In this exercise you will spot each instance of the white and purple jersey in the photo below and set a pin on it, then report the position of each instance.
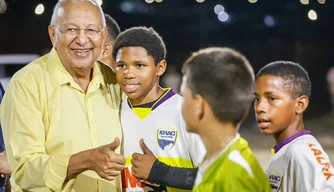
(300, 164)
(163, 129)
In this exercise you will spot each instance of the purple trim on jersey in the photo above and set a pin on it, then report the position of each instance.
(129, 103)
(288, 140)
(168, 95)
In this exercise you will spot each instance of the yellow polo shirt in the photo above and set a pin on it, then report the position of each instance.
(46, 117)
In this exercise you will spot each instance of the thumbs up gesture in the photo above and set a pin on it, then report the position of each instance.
(142, 163)
(105, 162)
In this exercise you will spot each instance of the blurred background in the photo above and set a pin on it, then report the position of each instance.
(264, 30)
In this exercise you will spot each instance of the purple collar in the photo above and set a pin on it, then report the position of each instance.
(167, 95)
(288, 140)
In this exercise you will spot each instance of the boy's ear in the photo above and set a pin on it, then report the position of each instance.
(301, 104)
(199, 107)
(161, 67)
(107, 50)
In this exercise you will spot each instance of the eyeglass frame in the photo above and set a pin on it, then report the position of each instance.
(78, 31)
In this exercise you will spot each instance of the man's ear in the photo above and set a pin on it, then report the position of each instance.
(301, 104)
(107, 50)
(161, 67)
(52, 34)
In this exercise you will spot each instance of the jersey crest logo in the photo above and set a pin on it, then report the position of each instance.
(275, 180)
(166, 137)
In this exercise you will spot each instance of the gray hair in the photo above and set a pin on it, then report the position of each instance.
(61, 3)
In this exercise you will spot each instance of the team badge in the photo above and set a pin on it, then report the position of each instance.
(275, 180)
(166, 137)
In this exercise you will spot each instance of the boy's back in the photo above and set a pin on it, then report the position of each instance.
(218, 89)
(301, 162)
(236, 169)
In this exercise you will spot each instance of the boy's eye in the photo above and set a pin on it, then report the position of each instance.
(256, 99)
(272, 98)
(120, 65)
(140, 65)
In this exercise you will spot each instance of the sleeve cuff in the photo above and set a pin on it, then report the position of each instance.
(56, 173)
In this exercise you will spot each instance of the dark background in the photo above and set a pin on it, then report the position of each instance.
(187, 26)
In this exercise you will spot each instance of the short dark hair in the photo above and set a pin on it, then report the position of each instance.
(225, 79)
(144, 37)
(113, 28)
(295, 76)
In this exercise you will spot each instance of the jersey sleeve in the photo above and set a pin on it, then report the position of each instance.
(233, 178)
(310, 169)
(176, 177)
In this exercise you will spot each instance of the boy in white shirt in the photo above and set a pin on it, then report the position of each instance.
(299, 163)
(152, 113)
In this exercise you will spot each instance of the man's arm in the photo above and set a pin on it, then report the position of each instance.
(24, 133)
(103, 160)
(147, 167)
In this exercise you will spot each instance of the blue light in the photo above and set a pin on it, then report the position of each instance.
(223, 16)
(127, 7)
(269, 21)
(219, 8)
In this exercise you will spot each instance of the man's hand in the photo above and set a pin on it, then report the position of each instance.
(142, 163)
(4, 165)
(105, 162)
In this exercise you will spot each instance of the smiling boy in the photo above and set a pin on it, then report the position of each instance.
(152, 113)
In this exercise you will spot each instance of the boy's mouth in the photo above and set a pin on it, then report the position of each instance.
(263, 123)
(130, 88)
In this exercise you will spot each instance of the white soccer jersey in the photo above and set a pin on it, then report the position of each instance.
(300, 165)
(163, 130)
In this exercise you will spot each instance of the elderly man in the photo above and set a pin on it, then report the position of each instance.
(60, 114)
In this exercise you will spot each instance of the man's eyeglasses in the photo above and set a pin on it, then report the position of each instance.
(72, 31)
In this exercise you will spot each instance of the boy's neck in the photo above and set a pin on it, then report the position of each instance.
(153, 95)
(216, 136)
(292, 129)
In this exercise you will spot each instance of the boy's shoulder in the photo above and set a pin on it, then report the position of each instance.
(240, 169)
(240, 157)
(306, 151)
(302, 145)
(303, 158)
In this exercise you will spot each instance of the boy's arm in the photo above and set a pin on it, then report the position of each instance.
(182, 178)
(147, 167)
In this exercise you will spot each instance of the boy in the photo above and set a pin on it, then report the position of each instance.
(113, 32)
(150, 112)
(299, 163)
(217, 87)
